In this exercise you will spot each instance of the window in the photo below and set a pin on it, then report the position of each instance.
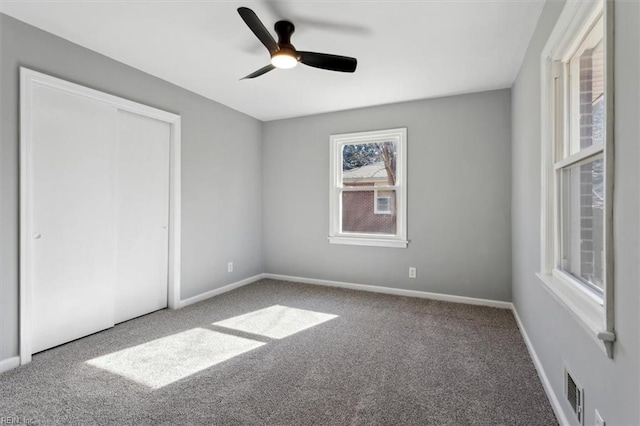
(383, 202)
(579, 161)
(368, 188)
(577, 148)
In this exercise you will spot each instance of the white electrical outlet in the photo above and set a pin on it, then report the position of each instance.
(599, 420)
(230, 267)
(412, 272)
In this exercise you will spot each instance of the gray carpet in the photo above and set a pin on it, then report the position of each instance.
(382, 360)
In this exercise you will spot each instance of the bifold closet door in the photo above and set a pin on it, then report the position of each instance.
(142, 194)
(72, 217)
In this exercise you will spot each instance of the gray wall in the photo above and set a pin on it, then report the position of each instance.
(459, 152)
(221, 165)
(611, 386)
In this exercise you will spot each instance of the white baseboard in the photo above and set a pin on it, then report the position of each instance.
(9, 363)
(217, 291)
(394, 291)
(553, 398)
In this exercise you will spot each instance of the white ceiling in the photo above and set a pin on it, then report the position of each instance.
(406, 50)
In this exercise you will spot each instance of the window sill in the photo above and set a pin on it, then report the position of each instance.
(375, 242)
(585, 308)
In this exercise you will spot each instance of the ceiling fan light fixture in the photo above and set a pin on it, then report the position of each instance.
(283, 54)
(284, 60)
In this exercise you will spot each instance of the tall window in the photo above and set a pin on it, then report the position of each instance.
(368, 188)
(577, 158)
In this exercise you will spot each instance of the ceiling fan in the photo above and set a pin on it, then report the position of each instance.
(284, 55)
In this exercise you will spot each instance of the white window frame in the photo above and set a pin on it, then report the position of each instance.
(593, 312)
(376, 210)
(336, 236)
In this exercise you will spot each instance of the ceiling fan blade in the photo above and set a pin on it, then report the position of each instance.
(253, 22)
(258, 73)
(328, 62)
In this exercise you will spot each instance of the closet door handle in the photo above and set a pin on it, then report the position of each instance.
(37, 235)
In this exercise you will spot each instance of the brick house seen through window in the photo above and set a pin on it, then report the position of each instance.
(371, 211)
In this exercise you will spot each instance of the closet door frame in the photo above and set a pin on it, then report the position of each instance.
(29, 81)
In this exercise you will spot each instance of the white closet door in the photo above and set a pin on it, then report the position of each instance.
(72, 220)
(143, 215)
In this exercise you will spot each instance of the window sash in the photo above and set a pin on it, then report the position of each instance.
(573, 80)
(584, 156)
(368, 188)
(564, 235)
(393, 210)
(580, 157)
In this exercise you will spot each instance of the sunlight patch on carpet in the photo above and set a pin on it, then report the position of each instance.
(276, 321)
(163, 361)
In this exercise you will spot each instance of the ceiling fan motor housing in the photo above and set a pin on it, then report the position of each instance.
(284, 29)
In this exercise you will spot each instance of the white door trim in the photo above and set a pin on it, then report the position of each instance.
(30, 79)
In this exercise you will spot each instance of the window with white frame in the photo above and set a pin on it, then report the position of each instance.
(368, 193)
(382, 203)
(577, 165)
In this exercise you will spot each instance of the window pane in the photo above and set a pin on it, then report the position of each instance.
(583, 222)
(359, 212)
(369, 164)
(587, 74)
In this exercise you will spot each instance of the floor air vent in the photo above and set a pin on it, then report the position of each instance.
(574, 394)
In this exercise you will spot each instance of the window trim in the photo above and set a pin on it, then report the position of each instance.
(594, 314)
(398, 240)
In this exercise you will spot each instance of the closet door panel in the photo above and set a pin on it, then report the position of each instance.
(143, 150)
(72, 219)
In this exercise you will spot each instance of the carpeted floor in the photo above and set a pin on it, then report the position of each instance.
(363, 359)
